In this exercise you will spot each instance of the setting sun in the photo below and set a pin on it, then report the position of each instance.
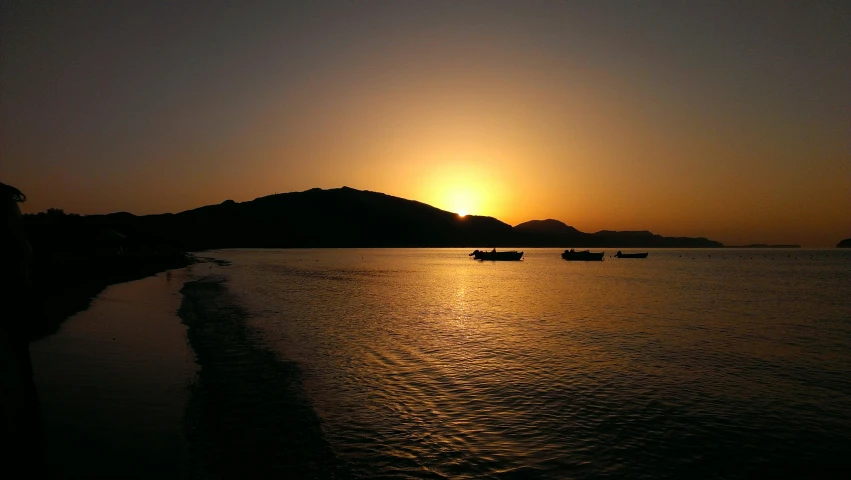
(463, 186)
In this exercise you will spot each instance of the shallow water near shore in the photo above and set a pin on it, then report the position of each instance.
(422, 363)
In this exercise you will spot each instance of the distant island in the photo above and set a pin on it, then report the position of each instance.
(844, 243)
(763, 245)
(316, 218)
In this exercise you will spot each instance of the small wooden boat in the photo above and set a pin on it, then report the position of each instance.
(494, 255)
(583, 255)
(631, 255)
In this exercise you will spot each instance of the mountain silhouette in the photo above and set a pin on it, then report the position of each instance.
(342, 217)
(764, 245)
(553, 233)
(346, 217)
(549, 232)
(643, 238)
(844, 243)
(548, 226)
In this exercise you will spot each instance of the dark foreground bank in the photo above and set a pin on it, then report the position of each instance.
(247, 415)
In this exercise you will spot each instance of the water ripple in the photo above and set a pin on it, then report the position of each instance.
(424, 364)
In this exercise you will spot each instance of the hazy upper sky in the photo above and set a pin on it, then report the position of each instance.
(730, 120)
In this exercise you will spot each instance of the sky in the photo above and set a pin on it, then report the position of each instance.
(729, 120)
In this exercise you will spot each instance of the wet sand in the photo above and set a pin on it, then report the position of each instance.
(248, 416)
(161, 378)
(113, 384)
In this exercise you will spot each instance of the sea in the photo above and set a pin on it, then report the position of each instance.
(425, 363)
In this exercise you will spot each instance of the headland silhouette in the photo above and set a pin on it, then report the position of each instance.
(341, 217)
(763, 245)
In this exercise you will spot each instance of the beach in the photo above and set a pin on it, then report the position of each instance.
(113, 384)
(161, 378)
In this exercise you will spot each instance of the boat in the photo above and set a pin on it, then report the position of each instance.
(583, 255)
(494, 255)
(631, 255)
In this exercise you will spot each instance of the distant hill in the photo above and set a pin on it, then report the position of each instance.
(342, 217)
(548, 226)
(763, 245)
(546, 233)
(844, 243)
(345, 217)
(645, 239)
(553, 233)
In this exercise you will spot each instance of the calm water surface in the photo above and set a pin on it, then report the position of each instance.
(423, 363)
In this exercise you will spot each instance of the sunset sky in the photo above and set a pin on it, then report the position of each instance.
(730, 120)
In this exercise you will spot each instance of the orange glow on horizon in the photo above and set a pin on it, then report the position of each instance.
(520, 117)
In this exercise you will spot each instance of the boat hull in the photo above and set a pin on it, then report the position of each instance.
(631, 255)
(498, 256)
(583, 256)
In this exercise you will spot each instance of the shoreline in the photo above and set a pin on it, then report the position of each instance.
(161, 378)
(58, 294)
(113, 384)
(247, 415)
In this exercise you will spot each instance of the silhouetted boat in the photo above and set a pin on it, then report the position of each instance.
(494, 255)
(631, 255)
(584, 255)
